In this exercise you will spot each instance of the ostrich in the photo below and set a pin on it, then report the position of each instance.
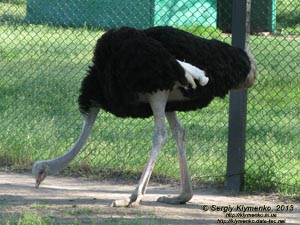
(155, 72)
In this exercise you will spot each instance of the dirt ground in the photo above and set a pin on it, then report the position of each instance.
(65, 199)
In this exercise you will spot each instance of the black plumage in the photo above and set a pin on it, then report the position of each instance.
(128, 62)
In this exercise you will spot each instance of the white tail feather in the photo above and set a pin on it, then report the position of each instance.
(192, 72)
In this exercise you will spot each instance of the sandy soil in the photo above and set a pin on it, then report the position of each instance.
(65, 199)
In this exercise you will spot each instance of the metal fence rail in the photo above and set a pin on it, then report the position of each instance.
(45, 50)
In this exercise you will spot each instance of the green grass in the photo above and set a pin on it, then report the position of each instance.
(206, 32)
(41, 70)
(80, 216)
(288, 14)
(273, 119)
(27, 218)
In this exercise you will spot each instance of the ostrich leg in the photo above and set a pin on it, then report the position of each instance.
(186, 192)
(158, 103)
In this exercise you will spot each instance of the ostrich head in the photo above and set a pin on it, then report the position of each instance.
(251, 77)
(40, 170)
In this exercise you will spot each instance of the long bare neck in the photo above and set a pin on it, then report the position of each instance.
(59, 163)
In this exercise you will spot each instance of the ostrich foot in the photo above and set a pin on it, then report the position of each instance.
(133, 201)
(120, 203)
(176, 200)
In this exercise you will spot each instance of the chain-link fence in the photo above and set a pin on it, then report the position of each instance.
(45, 50)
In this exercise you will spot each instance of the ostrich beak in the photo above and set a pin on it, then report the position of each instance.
(39, 179)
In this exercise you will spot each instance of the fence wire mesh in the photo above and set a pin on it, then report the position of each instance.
(45, 50)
